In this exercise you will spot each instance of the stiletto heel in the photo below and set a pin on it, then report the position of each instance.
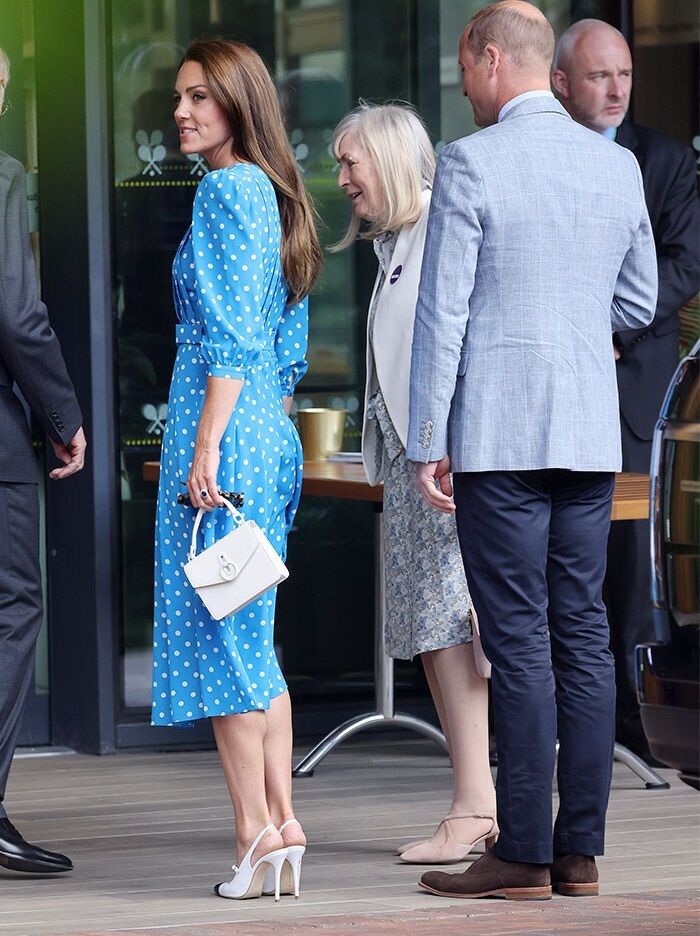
(249, 878)
(277, 860)
(291, 867)
(490, 841)
(295, 853)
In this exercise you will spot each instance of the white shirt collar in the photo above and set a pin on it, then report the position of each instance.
(521, 97)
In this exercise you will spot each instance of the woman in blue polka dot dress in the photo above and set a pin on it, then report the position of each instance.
(240, 280)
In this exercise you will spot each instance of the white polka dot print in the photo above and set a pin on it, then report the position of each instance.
(233, 322)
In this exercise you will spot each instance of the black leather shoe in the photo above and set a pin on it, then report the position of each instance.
(18, 855)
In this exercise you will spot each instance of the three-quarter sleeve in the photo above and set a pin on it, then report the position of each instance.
(290, 345)
(231, 242)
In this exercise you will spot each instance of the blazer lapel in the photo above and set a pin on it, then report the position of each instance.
(626, 135)
(393, 323)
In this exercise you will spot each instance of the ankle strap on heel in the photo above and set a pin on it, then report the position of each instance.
(471, 815)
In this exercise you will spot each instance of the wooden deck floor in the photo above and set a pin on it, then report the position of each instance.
(150, 833)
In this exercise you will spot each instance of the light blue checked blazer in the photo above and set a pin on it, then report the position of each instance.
(538, 247)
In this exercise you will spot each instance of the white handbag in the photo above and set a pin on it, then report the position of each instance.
(236, 569)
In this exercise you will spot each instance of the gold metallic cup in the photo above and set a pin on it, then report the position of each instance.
(321, 431)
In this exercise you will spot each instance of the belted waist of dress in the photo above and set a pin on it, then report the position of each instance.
(191, 333)
(188, 333)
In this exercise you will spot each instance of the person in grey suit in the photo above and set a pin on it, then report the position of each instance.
(538, 247)
(30, 357)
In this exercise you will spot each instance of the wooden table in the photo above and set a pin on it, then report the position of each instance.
(347, 481)
(341, 479)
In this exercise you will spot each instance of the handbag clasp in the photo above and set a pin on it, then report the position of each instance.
(227, 568)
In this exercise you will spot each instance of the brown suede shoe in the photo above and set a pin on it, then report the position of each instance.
(575, 876)
(488, 876)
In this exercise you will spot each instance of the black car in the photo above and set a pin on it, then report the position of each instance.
(668, 680)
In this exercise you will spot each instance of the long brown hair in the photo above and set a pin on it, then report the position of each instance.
(241, 84)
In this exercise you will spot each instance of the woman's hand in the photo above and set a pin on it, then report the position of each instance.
(219, 403)
(202, 483)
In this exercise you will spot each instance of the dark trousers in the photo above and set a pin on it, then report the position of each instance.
(628, 597)
(20, 611)
(534, 546)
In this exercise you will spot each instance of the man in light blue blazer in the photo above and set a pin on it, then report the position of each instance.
(538, 247)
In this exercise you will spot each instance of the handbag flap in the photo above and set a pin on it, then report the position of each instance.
(237, 548)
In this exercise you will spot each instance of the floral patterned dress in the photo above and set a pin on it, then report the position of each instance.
(427, 603)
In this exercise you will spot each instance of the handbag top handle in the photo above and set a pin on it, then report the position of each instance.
(238, 519)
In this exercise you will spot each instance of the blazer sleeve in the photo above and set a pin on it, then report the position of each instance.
(677, 238)
(634, 299)
(291, 343)
(28, 345)
(229, 221)
(448, 272)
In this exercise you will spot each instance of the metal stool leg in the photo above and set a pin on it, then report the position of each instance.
(306, 765)
(402, 720)
(383, 714)
(652, 780)
(352, 726)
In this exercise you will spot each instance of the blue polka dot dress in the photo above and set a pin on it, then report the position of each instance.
(233, 322)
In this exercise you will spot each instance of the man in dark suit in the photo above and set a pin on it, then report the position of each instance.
(30, 358)
(592, 74)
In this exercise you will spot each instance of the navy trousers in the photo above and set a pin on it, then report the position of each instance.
(534, 549)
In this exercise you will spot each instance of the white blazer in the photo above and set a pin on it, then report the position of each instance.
(389, 367)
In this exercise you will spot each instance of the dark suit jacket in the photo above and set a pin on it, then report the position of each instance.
(650, 355)
(30, 354)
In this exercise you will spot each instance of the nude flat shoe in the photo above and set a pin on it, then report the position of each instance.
(451, 851)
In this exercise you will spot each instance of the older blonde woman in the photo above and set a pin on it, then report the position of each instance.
(386, 169)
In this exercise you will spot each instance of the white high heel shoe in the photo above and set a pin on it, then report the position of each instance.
(248, 878)
(291, 868)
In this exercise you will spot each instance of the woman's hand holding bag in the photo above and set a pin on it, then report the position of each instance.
(237, 569)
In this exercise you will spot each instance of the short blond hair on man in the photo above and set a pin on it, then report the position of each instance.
(517, 28)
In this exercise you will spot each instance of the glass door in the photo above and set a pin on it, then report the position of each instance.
(308, 47)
